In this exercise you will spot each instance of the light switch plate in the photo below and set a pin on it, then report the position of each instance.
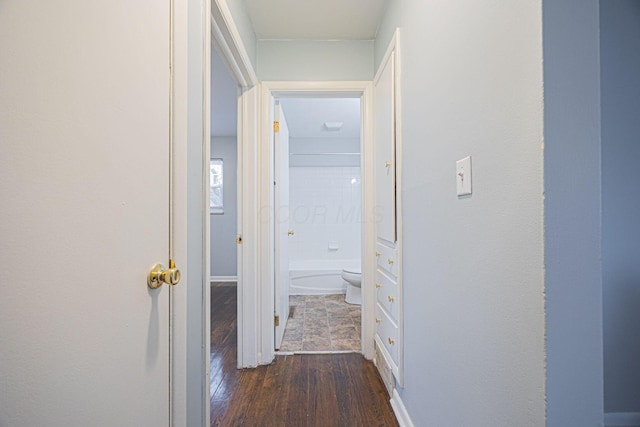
(463, 176)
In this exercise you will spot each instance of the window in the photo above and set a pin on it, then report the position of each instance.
(216, 189)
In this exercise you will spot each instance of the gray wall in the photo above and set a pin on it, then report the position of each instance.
(224, 227)
(620, 68)
(473, 267)
(245, 28)
(315, 60)
(572, 180)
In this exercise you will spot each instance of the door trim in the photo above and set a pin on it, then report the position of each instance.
(199, 26)
(227, 41)
(264, 288)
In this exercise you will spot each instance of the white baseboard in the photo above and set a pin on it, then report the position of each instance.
(622, 419)
(223, 279)
(401, 412)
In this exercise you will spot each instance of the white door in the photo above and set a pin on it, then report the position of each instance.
(282, 216)
(385, 152)
(84, 132)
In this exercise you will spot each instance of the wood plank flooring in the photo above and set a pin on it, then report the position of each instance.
(322, 390)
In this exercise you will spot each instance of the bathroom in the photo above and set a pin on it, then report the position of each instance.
(323, 217)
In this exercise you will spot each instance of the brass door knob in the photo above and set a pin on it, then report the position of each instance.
(377, 254)
(378, 320)
(159, 275)
(390, 261)
(378, 285)
(392, 341)
(387, 164)
(391, 299)
(290, 233)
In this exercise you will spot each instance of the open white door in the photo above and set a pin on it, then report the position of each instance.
(85, 136)
(282, 231)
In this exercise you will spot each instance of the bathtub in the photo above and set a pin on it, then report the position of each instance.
(319, 277)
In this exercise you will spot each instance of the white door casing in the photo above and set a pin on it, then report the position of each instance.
(84, 127)
(281, 222)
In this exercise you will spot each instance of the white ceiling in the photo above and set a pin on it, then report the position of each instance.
(224, 112)
(316, 19)
(306, 116)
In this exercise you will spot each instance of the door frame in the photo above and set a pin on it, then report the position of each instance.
(226, 38)
(264, 288)
(208, 25)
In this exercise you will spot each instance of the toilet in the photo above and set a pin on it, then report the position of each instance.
(353, 276)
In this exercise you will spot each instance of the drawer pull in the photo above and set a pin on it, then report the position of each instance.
(392, 341)
(391, 298)
(390, 261)
(378, 285)
(378, 320)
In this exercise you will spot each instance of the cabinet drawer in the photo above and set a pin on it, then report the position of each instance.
(387, 295)
(387, 333)
(387, 260)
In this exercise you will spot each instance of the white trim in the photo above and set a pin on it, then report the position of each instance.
(626, 419)
(368, 249)
(228, 42)
(248, 260)
(223, 279)
(265, 326)
(264, 288)
(404, 420)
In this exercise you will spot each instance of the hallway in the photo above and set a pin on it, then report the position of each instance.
(300, 390)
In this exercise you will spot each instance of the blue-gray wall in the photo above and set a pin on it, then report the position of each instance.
(473, 267)
(224, 227)
(572, 209)
(245, 28)
(620, 68)
(315, 60)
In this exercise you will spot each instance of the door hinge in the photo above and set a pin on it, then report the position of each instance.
(276, 320)
(276, 126)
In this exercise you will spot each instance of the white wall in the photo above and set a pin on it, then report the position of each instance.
(324, 152)
(573, 274)
(324, 207)
(224, 227)
(620, 68)
(473, 267)
(315, 60)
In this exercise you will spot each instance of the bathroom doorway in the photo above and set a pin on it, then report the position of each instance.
(317, 224)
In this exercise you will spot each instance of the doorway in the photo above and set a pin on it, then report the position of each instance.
(224, 254)
(318, 224)
(312, 218)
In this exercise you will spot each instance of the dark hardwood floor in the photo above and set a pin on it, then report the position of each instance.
(323, 390)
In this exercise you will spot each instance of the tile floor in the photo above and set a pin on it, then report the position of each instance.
(322, 323)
